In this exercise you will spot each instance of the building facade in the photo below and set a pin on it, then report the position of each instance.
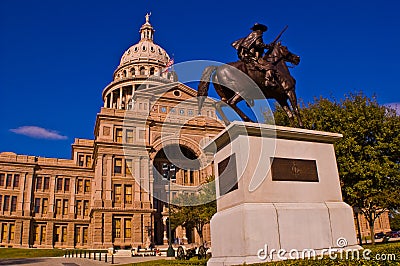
(111, 193)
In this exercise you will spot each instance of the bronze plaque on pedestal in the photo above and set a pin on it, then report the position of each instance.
(227, 175)
(286, 169)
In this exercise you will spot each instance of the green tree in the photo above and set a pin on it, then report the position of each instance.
(195, 210)
(395, 220)
(368, 155)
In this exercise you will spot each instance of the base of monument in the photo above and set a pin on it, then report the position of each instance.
(293, 227)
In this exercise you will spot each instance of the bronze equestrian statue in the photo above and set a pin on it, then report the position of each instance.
(269, 76)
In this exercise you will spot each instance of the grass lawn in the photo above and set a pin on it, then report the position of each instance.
(17, 253)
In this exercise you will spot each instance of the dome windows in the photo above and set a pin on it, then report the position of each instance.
(144, 48)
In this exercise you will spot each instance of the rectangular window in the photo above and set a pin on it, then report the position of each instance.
(128, 194)
(46, 183)
(117, 228)
(38, 183)
(117, 193)
(129, 136)
(64, 234)
(2, 177)
(45, 206)
(191, 177)
(4, 232)
(79, 188)
(8, 180)
(87, 186)
(12, 231)
(16, 181)
(78, 207)
(58, 206)
(81, 159)
(57, 234)
(6, 203)
(117, 165)
(127, 227)
(85, 235)
(77, 234)
(43, 234)
(128, 167)
(37, 205)
(59, 184)
(88, 161)
(1, 202)
(65, 207)
(14, 203)
(118, 135)
(66, 184)
(36, 230)
(85, 208)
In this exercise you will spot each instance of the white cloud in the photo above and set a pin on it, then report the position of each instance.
(38, 132)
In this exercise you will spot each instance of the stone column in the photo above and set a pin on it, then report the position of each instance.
(112, 99)
(72, 187)
(29, 177)
(18, 240)
(108, 230)
(97, 230)
(184, 237)
(97, 188)
(52, 196)
(71, 235)
(26, 233)
(50, 234)
(108, 189)
(120, 98)
(137, 229)
(165, 238)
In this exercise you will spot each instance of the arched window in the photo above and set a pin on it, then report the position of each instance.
(142, 71)
(152, 71)
(125, 73)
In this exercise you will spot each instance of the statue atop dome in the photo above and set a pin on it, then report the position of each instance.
(148, 17)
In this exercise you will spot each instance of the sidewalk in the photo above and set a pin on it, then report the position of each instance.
(60, 261)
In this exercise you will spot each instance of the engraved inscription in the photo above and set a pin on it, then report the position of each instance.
(227, 175)
(286, 169)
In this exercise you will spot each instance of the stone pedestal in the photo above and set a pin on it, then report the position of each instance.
(277, 188)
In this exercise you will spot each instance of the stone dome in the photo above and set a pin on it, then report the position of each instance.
(146, 49)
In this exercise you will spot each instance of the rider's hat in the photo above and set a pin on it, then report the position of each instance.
(260, 27)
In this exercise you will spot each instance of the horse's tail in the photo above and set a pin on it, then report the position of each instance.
(202, 88)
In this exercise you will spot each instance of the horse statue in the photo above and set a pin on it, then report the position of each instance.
(237, 81)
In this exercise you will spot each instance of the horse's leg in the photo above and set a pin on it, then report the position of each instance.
(293, 101)
(218, 107)
(284, 104)
(240, 113)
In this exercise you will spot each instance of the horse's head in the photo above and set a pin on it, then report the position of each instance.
(281, 51)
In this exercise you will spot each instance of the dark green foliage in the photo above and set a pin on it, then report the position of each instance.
(395, 221)
(195, 211)
(368, 156)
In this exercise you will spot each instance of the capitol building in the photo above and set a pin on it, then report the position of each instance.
(111, 193)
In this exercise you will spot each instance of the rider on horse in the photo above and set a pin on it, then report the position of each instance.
(251, 50)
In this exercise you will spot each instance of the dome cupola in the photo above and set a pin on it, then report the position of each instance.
(143, 65)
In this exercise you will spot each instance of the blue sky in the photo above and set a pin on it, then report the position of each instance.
(57, 56)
